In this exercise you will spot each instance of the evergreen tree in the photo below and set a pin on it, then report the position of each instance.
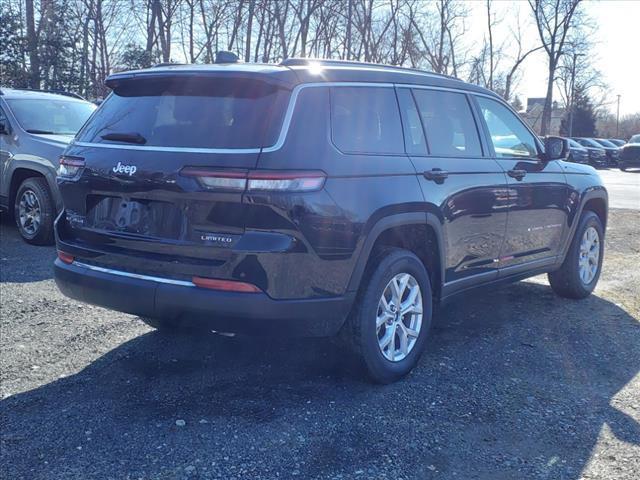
(516, 103)
(584, 116)
(12, 68)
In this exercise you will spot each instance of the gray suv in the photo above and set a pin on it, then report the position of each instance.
(35, 127)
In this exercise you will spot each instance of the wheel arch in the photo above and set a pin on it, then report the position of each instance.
(418, 232)
(595, 200)
(21, 171)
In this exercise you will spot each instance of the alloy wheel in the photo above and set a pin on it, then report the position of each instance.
(29, 213)
(589, 256)
(399, 317)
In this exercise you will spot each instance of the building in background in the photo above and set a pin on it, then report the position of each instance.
(533, 115)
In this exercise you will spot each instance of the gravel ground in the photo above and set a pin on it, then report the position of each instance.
(516, 384)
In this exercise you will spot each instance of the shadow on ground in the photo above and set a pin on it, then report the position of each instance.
(20, 262)
(516, 384)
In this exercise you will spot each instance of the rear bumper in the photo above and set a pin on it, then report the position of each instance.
(630, 162)
(186, 305)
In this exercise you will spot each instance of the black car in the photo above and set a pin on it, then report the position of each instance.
(35, 128)
(577, 153)
(316, 198)
(597, 153)
(630, 154)
(611, 149)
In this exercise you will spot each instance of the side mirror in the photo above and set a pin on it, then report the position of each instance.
(4, 129)
(555, 148)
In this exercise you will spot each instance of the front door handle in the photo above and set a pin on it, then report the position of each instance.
(517, 174)
(436, 174)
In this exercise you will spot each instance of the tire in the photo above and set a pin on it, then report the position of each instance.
(361, 330)
(567, 281)
(34, 211)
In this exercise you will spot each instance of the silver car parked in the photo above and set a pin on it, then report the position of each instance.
(35, 128)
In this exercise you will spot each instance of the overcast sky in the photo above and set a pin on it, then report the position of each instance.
(616, 51)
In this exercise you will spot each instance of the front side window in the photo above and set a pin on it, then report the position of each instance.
(366, 120)
(448, 123)
(510, 137)
(53, 117)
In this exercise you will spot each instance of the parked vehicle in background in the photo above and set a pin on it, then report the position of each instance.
(35, 128)
(611, 149)
(630, 154)
(316, 198)
(617, 142)
(577, 153)
(597, 155)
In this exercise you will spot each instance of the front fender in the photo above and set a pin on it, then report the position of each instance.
(37, 165)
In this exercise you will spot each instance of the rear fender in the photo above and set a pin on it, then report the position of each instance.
(393, 221)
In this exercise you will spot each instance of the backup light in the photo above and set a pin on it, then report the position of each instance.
(218, 179)
(286, 181)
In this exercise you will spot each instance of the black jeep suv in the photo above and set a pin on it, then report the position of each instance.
(316, 198)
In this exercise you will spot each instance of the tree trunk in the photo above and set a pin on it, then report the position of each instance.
(32, 46)
(247, 48)
(545, 125)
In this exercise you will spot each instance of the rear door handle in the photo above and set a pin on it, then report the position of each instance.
(517, 174)
(436, 174)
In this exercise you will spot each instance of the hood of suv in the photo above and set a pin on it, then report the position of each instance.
(54, 140)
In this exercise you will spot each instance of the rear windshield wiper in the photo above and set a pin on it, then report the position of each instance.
(41, 132)
(125, 137)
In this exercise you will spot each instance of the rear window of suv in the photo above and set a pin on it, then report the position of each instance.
(190, 112)
(366, 120)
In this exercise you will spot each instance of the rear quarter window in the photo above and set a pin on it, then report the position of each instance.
(366, 120)
(217, 113)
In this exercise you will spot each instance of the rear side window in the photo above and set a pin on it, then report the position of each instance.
(366, 120)
(190, 112)
(510, 137)
(448, 123)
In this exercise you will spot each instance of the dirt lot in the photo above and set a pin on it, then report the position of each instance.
(516, 384)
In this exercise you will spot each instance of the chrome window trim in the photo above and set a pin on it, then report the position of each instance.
(166, 149)
(138, 276)
(294, 99)
(286, 122)
(276, 146)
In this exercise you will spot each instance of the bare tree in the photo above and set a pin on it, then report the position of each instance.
(554, 20)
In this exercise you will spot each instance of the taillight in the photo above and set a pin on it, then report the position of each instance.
(257, 180)
(218, 179)
(284, 181)
(70, 166)
(65, 257)
(225, 285)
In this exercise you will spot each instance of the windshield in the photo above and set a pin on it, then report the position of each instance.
(605, 143)
(227, 113)
(54, 117)
(574, 144)
(635, 139)
(587, 142)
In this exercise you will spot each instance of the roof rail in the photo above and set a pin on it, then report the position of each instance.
(57, 92)
(300, 62)
(166, 64)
